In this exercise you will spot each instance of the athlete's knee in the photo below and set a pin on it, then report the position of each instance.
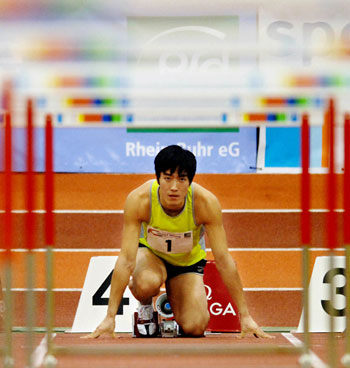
(145, 284)
(194, 324)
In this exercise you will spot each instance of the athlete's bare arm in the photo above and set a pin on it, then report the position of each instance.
(136, 210)
(208, 212)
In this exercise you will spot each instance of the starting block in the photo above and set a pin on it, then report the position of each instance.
(167, 324)
(169, 328)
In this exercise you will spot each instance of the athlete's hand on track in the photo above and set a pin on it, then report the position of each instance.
(106, 327)
(249, 326)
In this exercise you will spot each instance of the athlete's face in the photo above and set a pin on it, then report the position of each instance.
(173, 190)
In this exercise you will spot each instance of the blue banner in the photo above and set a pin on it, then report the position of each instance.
(118, 150)
(283, 147)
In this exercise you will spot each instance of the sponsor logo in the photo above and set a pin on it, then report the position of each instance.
(217, 308)
(163, 234)
(208, 291)
(187, 44)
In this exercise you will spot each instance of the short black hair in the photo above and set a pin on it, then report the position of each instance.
(175, 157)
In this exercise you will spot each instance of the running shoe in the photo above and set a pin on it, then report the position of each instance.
(146, 323)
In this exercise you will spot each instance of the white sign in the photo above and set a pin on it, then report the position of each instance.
(94, 298)
(326, 296)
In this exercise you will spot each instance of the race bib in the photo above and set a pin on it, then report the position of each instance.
(166, 242)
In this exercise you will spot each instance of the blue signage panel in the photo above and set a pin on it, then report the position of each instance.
(118, 150)
(283, 147)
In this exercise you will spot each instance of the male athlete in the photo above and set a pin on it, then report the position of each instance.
(172, 213)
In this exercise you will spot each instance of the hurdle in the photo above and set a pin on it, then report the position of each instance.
(346, 231)
(305, 232)
(331, 222)
(50, 360)
(30, 231)
(183, 349)
(7, 237)
(146, 349)
(8, 351)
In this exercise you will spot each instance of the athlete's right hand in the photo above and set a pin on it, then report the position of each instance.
(106, 327)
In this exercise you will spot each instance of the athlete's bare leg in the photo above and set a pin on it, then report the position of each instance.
(188, 300)
(148, 277)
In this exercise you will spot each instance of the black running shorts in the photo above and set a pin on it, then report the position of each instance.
(173, 271)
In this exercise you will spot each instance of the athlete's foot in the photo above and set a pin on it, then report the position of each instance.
(146, 325)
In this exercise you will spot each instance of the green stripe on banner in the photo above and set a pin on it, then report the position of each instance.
(182, 130)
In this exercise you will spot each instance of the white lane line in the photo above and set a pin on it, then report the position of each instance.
(39, 353)
(225, 210)
(102, 212)
(316, 362)
(45, 289)
(274, 289)
(67, 250)
(117, 250)
(81, 289)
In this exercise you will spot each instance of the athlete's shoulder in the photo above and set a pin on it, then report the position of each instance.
(202, 194)
(206, 204)
(138, 201)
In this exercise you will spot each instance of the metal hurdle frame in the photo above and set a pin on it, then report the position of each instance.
(30, 231)
(331, 223)
(147, 349)
(54, 350)
(7, 350)
(50, 360)
(305, 233)
(346, 227)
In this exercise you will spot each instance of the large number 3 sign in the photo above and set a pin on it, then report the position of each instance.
(332, 278)
(327, 295)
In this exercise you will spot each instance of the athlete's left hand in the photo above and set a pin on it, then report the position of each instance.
(249, 326)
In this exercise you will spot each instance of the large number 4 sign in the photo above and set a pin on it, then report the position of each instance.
(99, 299)
(93, 302)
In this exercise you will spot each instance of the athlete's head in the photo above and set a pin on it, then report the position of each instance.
(175, 157)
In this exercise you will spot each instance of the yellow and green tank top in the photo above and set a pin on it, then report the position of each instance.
(176, 239)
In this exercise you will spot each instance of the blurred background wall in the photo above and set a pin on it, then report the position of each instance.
(228, 80)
